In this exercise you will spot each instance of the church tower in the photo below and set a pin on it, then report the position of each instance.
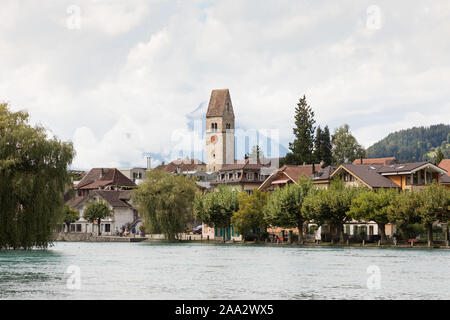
(219, 131)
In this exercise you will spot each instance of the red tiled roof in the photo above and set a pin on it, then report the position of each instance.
(101, 177)
(181, 164)
(295, 172)
(383, 161)
(241, 166)
(445, 164)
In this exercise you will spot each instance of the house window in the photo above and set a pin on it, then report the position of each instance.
(78, 227)
(107, 227)
(415, 178)
(429, 177)
(408, 180)
(228, 126)
(72, 228)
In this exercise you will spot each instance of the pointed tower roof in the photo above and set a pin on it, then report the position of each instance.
(217, 103)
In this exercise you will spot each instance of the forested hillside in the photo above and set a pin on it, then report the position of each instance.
(415, 144)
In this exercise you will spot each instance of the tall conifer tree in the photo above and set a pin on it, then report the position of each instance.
(303, 145)
(326, 152)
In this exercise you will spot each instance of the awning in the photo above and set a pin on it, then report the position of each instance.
(280, 181)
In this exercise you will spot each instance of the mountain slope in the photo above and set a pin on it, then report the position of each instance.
(415, 144)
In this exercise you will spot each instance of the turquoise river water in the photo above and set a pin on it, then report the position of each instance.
(81, 270)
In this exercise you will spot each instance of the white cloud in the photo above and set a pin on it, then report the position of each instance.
(121, 85)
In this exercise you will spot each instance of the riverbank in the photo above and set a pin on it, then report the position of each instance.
(312, 245)
(87, 237)
(84, 237)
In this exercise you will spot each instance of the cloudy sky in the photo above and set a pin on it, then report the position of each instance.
(122, 78)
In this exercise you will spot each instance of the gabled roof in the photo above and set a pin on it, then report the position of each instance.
(445, 164)
(76, 202)
(102, 177)
(406, 168)
(247, 165)
(324, 174)
(184, 165)
(367, 174)
(289, 173)
(445, 179)
(116, 199)
(383, 161)
(218, 102)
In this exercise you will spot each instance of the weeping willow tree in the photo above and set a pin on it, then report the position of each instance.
(165, 202)
(33, 178)
(216, 208)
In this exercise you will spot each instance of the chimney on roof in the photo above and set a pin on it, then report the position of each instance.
(361, 160)
(313, 169)
(304, 163)
(101, 173)
(149, 162)
(322, 163)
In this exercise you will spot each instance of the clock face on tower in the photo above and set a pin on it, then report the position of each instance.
(213, 139)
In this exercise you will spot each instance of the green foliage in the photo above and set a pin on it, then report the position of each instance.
(439, 156)
(165, 202)
(70, 215)
(216, 208)
(303, 145)
(434, 204)
(330, 206)
(425, 206)
(345, 146)
(373, 206)
(415, 144)
(96, 211)
(326, 152)
(33, 178)
(284, 208)
(250, 215)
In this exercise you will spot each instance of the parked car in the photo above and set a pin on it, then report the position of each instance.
(197, 230)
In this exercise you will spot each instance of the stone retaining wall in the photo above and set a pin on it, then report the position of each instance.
(87, 237)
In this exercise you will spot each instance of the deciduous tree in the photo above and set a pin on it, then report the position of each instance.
(33, 178)
(373, 206)
(165, 202)
(284, 207)
(96, 211)
(70, 216)
(250, 215)
(345, 146)
(216, 208)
